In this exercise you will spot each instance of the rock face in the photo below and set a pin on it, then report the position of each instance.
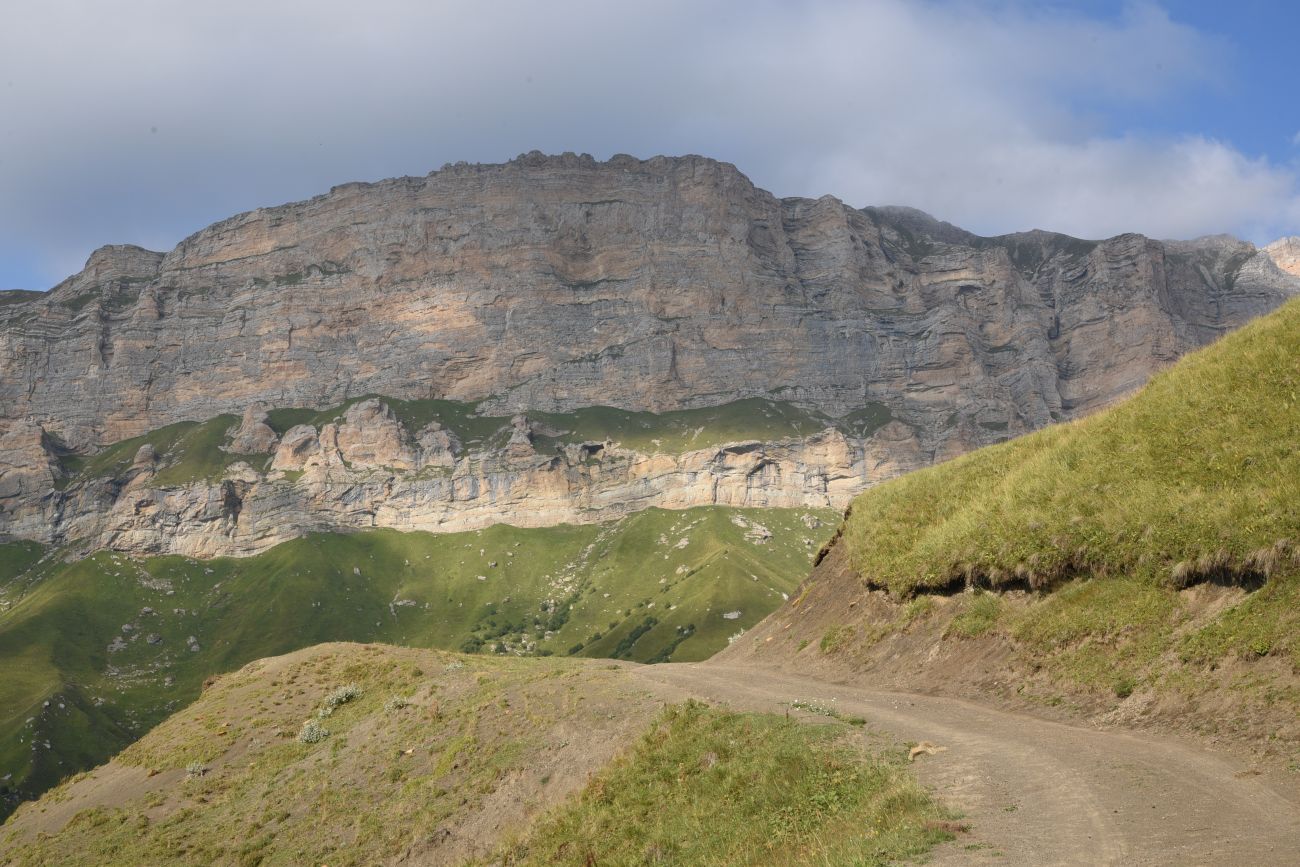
(254, 436)
(368, 472)
(556, 283)
(1285, 252)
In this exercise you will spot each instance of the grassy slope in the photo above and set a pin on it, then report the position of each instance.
(481, 744)
(713, 787)
(551, 590)
(1201, 468)
(191, 451)
(1193, 482)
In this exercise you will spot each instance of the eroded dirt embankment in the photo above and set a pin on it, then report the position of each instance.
(987, 647)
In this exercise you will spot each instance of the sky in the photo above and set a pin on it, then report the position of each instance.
(142, 121)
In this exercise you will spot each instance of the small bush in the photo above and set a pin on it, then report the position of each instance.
(312, 732)
(342, 695)
(918, 607)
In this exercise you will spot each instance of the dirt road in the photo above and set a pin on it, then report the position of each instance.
(1042, 793)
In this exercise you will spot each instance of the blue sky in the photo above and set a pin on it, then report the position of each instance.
(142, 121)
(1253, 103)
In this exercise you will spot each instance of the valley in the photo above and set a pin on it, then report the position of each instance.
(110, 645)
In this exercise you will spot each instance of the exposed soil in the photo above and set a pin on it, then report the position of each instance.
(1242, 706)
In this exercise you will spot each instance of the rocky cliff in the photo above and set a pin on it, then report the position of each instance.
(1285, 252)
(551, 284)
(365, 468)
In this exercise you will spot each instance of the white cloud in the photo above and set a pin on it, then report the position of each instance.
(995, 115)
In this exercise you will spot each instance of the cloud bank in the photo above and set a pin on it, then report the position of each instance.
(140, 122)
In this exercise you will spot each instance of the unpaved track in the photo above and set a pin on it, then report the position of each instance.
(1037, 792)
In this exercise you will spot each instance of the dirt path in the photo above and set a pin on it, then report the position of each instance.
(1044, 793)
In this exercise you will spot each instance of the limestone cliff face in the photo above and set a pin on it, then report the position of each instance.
(366, 471)
(555, 283)
(1285, 252)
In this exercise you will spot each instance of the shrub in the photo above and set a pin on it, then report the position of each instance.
(312, 732)
(342, 695)
(918, 607)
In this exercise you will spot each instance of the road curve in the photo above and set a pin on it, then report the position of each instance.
(1038, 792)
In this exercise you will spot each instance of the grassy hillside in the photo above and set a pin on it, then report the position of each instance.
(351, 755)
(705, 786)
(1148, 558)
(1195, 478)
(96, 651)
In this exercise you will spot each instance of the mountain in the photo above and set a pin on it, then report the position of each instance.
(590, 374)
(1141, 565)
(457, 350)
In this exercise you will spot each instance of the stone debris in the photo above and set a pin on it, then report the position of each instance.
(924, 748)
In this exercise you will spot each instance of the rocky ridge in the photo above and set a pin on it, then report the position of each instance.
(366, 470)
(550, 284)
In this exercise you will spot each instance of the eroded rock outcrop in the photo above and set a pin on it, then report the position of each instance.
(366, 472)
(254, 435)
(553, 283)
(1285, 253)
